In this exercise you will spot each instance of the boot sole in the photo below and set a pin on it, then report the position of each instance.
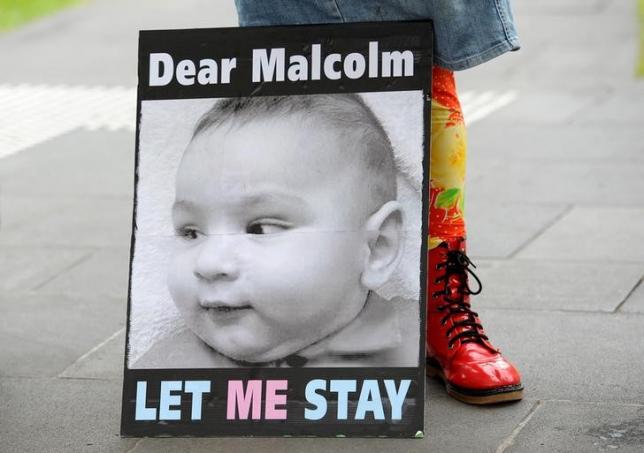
(478, 397)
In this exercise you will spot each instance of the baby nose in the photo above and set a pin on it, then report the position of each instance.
(217, 259)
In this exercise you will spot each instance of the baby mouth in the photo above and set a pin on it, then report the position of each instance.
(226, 309)
(226, 313)
(221, 307)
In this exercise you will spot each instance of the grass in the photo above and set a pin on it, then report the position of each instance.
(16, 12)
(639, 70)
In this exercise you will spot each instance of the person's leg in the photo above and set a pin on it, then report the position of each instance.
(447, 160)
(458, 350)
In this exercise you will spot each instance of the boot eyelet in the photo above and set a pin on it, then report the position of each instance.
(443, 322)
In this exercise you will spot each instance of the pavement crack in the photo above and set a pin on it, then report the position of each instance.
(558, 310)
(74, 378)
(508, 441)
(72, 265)
(541, 231)
(633, 289)
(64, 374)
(135, 445)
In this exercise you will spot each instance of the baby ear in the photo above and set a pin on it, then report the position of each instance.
(385, 243)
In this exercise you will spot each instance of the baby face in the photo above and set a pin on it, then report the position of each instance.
(269, 246)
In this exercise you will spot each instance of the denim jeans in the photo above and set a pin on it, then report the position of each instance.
(467, 32)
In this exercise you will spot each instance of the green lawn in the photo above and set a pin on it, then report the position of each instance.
(639, 71)
(17, 12)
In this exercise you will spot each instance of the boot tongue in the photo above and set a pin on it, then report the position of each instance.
(475, 345)
(457, 290)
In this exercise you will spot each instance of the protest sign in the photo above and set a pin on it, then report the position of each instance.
(279, 235)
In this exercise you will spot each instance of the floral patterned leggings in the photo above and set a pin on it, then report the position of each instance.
(447, 163)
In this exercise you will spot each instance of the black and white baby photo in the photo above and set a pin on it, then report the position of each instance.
(278, 231)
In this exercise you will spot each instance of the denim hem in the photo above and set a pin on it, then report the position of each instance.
(468, 62)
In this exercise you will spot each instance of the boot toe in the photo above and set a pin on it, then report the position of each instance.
(495, 372)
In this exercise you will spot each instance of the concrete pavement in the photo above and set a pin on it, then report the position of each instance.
(556, 226)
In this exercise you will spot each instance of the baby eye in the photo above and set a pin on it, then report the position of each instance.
(188, 233)
(266, 227)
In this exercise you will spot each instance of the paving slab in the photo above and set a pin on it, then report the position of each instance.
(551, 285)
(635, 301)
(72, 43)
(592, 183)
(572, 356)
(478, 429)
(105, 361)
(606, 30)
(537, 108)
(586, 72)
(27, 268)
(86, 163)
(61, 415)
(80, 222)
(41, 335)
(615, 108)
(109, 266)
(16, 210)
(500, 229)
(602, 22)
(592, 233)
(574, 143)
(569, 426)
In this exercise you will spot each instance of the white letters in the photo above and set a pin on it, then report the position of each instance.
(274, 65)
(186, 72)
(298, 69)
(354, 65)
(158, 79)
(162, 70)
(373, 59)
(316, 51)
(329, 66)
(207, 72)
(268, 69)
(397, 62)
(227, 65)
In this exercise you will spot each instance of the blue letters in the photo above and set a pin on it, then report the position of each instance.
(142, 412)
(315, 398)
(369, 400)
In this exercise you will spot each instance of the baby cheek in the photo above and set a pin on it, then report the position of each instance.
(337, 252)
(309, 273)
(307, 253)
(181, 280)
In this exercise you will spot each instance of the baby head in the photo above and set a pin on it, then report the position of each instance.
(285, 217)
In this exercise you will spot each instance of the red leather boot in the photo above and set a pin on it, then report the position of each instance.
(458, 351)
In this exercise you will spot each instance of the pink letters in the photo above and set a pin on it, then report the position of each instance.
(247, 403)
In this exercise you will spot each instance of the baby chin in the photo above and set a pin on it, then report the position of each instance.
(241, 336)
(232, 332)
